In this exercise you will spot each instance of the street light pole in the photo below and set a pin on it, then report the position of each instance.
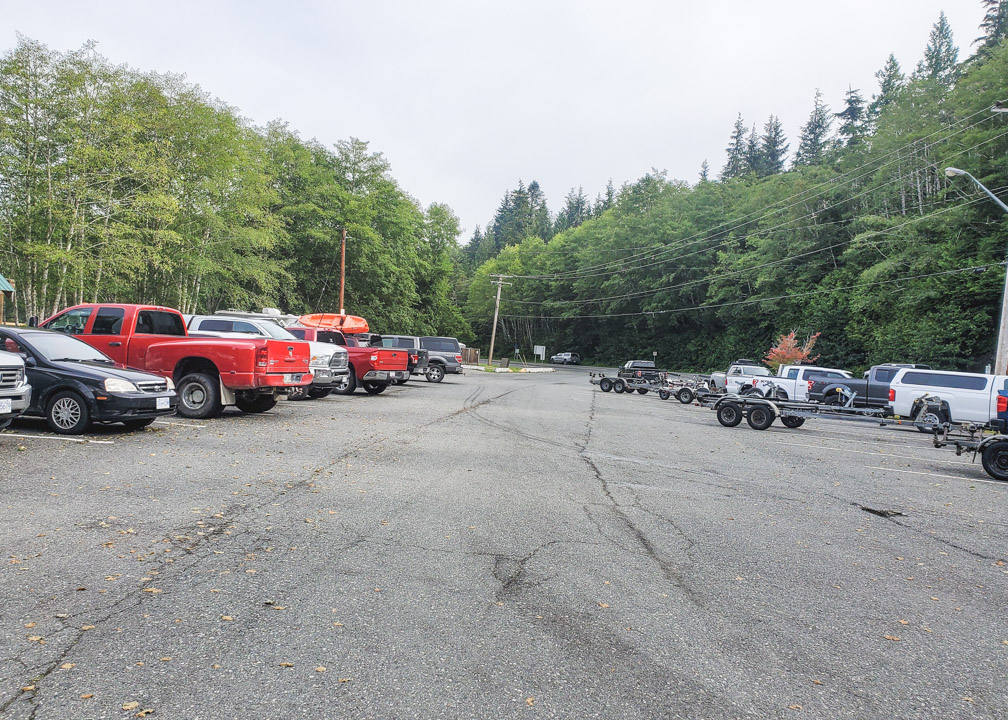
(1001, 354)
(499, 282)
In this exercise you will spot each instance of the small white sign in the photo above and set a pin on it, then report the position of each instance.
(162, 403)
(6, 406)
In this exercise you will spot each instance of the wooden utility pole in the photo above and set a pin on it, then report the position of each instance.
(342, 269)
(499, 282)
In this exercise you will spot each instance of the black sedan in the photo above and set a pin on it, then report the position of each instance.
(74, 385)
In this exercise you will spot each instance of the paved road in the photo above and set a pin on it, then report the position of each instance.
(499, 546)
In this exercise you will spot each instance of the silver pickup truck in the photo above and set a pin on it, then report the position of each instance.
(445, 356)
(15, 392)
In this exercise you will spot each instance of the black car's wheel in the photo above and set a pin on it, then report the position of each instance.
(642, 391)
(5, 423)
(199, 396)
(618, 386)
(257, 404)
(995, 460)
(435, 373)
(316, 393)
(759, 417)
(729, 414)
(134, 425)
(67, 413)
(605, 384)
(347, 385)
(373, 388)
(664, 394)
(685, 396)
(792, 422)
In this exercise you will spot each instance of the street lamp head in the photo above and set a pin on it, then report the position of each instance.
(952, 172)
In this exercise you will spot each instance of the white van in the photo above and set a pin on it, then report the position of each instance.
(971, 397)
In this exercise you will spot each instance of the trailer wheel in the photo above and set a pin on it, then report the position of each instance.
(618, 386)
(759, 417)
(995, 460)
(729, 414)
(685, 396)
(664, 394)
(792, 422)
(931, 421)
(605, 384)
(642, 391)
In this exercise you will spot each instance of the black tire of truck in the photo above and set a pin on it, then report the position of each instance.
(199, 396)
(642, 391)
(729, 414)
(434, 373)
(792, 422)
(664, 394)
(685, 396)
(316, 393)
(833, 399)
(5, 422)
(995, 460)
(347, 385)
(759, 417)
(373, 388)
(257, 404)
(605, 384)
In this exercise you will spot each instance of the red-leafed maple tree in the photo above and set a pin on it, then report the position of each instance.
(787, 351)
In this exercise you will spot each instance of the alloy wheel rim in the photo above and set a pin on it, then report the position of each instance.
(66, 413)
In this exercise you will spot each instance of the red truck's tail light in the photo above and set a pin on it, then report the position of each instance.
(262, 356)
(1002, 403)
(892, 395)
(458, 359)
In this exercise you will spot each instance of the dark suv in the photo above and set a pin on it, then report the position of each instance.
(417, 363)
(445, 357)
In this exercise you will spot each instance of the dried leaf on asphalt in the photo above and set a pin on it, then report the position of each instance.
(904, 622)
(967, 699)
(27, 688)
(132, 705)
(794, 707)
(152, 590)
(286, 664)
(894, 638)
(342, 680)
(530, 701)
(87, 627)
(144, 713)
(34, 638)
(30, 625)
(67, 666)
(817, 682)
(226, 617)
(320, 669)
(87, 696)
(602, 604)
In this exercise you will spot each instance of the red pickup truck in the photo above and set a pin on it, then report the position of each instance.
(209, 373)
(373, 368)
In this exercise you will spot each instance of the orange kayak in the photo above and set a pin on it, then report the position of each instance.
(335, 321)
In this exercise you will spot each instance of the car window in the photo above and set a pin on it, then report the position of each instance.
(12, 346)
(246, 327)
(440, 344)
(332, 337)
(300, 334)
(214, 325)
(962, 382)
(885, 375)
(108, 321)
(792, 373)
(159, 322)
(71, 322)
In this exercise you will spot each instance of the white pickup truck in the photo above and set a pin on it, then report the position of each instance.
(792, 381)
(740, 373)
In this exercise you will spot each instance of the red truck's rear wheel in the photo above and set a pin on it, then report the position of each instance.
(373, 388)
(256, 404)
(199, 396)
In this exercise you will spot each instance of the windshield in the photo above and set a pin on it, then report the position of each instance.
(57, 346)
(755, 370)
(275, 331)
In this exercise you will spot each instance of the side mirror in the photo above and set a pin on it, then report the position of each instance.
(33, 321)
(29, 361)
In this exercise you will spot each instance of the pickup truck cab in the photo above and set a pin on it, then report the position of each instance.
(328, 362)
(372, 368)
(639, 370)
(740, 373)
(444, 356)
(792, 382)
(965, 397)
(418, 356)
(15, 392)
(209, 373)
(871, 391)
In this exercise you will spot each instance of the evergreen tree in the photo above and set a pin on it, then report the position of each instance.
(852, 118)
(940, 55)
(735, 166)
(753, 156)
(812, 144)
(773, 146)
(576, 210)
(994, 26)
(704, 171)
(603, 203)
(539, 215)
(891, 81)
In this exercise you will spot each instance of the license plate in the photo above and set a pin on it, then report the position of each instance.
(162, 403)
(292, 378)
(6, 406)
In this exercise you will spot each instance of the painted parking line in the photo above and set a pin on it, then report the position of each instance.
(876, 454)
(58, 437)
(189, 425)
(951, 477)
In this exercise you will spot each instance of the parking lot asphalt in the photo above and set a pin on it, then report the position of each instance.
(498, 546)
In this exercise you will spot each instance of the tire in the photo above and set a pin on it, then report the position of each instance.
(995, 460)
(685, 396)
(779, 394)
(834, 400)
(257, 404)
(199, 396)
(6, 423)
(605, 384)
(792, 422)
(759, 417)
(435, 373)
(729, 414)
(374, 388)
(67, 413)
(320, 392)
(750, 390)
(933, 420)
(134, 425)
(347, 385)
(664, 394)
(618, 386)
(400, 382)
(642, 391)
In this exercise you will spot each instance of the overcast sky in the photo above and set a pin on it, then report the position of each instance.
(466, 97)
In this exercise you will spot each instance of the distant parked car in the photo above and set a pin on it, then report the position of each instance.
(74, 385)
(566, 358)
(444, 356)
